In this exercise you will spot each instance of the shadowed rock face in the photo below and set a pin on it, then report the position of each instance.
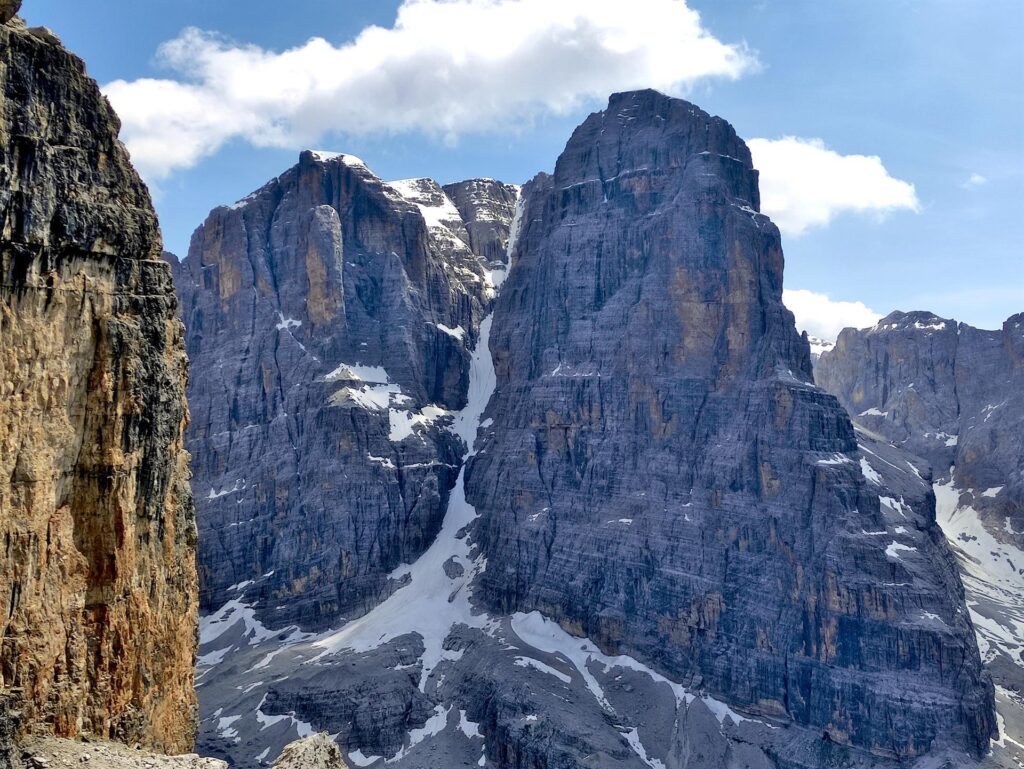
(329, 321)
(662, 476)
(98, 581)
(488, 209)
(948, 392)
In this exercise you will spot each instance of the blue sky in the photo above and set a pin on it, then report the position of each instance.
(933, 88)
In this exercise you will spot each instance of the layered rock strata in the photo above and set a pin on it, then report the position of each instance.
(98, 581)
(945, 391)
(330, 318)
(668, 547)
(662, 476)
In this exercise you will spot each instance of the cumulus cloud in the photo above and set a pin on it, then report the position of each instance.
(446, 68)
(823, 317)
(974, 180)
(804, 184)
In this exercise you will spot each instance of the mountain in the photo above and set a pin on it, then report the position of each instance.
(98, 582)
(330, 318)
(665, 546)
(954, 395)
(662, 476)
(948, 392)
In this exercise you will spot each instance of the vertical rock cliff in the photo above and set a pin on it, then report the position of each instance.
(954, 395)
(330, 318)
(948, 392)
(98, 580)
(662, 476)
(667, 547)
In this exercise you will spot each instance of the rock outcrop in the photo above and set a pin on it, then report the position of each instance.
(488, 209)
(8, 10)
(945, 391)
(316, 752)
(98, 581)
(330, 318)
(662, 476)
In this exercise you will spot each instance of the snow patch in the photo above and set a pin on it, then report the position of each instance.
(869, 472)
(285, 324)
(895, 548)
(431, 603)
(874, 412)
(547, 636)
(530, 662)
(458, 332)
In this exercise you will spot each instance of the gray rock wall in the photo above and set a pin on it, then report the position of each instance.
(329, 319)
(945, 391)
(662, 476)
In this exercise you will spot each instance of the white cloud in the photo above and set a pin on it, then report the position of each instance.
(446, 68)
(823, 317)
(974, 180)
(804, 184)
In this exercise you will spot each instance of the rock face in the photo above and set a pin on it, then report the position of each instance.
(316, 752)
(666, 548)
(488, 208)
(662, 476)
(330, 318)
(8, 10)
(98, 582)
(947, 392)
(954, 395)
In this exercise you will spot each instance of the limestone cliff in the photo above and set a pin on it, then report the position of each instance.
(97, 579)
(662, 476)
(330, 317)
(666, 547)
(948, 392)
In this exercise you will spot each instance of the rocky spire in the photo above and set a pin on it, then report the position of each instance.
(662, 476)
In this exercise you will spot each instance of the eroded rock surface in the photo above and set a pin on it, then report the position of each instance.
(948, 392)
(920, 384)
(662, 476)
(98, 581)
(330, 318)
(679, 554)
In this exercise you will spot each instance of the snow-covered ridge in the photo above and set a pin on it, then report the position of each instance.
(436, 207)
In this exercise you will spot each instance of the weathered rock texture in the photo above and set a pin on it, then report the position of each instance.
(97, 581)
(316, 752)
(330, 318)
(662, 476)
(955, 395)
(655, 471)
(8, 9)
(947, 392)
(488, 208)
(54, 753)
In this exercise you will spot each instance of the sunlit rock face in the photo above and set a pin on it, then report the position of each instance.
(97, 580)
(667, 548)
(661, 474)
(330, 317)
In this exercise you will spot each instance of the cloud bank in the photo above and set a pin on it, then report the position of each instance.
(804, 184)
(446, 67)
(823, 317)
